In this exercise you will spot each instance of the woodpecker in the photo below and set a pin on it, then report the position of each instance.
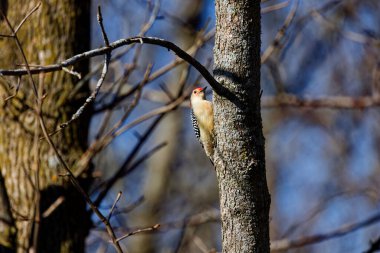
(202, 117)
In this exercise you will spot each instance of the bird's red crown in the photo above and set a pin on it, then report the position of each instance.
(199, 89)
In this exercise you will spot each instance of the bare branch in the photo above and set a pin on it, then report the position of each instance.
(145, 28)
(99, 144)
(212, 215)
(72, 72)
(100, 21)
(286, 244)
(123, 42)
(125, 168)
(289, 100)
(53, 206)
(280, 34)
(93, 95)
(375, 246)
(142, 230)
(274, 7)
(27, 16)
(18, 43)
(331, 102)
(80, 189)
(114, 205)
(158, 73)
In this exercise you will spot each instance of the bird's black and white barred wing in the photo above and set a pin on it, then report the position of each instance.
(197, 132)
(194, 122)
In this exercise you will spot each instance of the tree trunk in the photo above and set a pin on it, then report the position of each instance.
(159, 166)
(57, 30)
(239, 155)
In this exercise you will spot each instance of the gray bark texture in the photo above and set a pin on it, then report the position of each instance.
(239, 152)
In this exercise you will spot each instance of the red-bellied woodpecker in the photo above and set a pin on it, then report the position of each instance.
(202, 117)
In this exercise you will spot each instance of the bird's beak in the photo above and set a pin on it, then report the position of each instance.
(204, 88)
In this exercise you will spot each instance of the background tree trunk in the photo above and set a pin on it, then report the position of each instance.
(240, 158)
(57, 30)
(159, 167)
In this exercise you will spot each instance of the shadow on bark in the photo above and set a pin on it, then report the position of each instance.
(67, 221)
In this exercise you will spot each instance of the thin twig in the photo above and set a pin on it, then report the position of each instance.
(18, 43)
(93, 95)
(152, 113)
(106, 186)
(123, 79)
(27, 16)
(143, 158)
(53, 206)
(100, 21)
(276, 44)
(274, 7)
(37, 148)
(158, 73)
(72, 72)
(80, 189)
(99, 144)
(124, 169)
(145, 28)
(211, 215)
(138, 231)
(114, 205)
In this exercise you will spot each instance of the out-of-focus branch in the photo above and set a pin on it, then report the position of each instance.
(103, 141)
(127, 167)
(144, 29)
(274, 7)
(107, 58)
(375, 246)
(286, 244)
(202, 38)
(351, 35)
(3, 15)
(276, 44)
(86, 159)
(331, 102)
(289, 100)
(212, 215)
(138, 231)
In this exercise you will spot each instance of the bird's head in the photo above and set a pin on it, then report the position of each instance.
(198, 93)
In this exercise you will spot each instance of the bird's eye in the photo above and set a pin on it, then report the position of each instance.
(194, 91)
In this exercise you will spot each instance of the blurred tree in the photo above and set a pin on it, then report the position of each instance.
(162, 163)
(57, 30)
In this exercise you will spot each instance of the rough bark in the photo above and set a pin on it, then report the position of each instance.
(239, 155)
(57, 30)
(7, 223)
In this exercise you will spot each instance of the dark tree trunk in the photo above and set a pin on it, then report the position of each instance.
(57, 30)
(239, 157)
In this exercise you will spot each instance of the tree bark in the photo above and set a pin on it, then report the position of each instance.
(57, 30)
(239, 154)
